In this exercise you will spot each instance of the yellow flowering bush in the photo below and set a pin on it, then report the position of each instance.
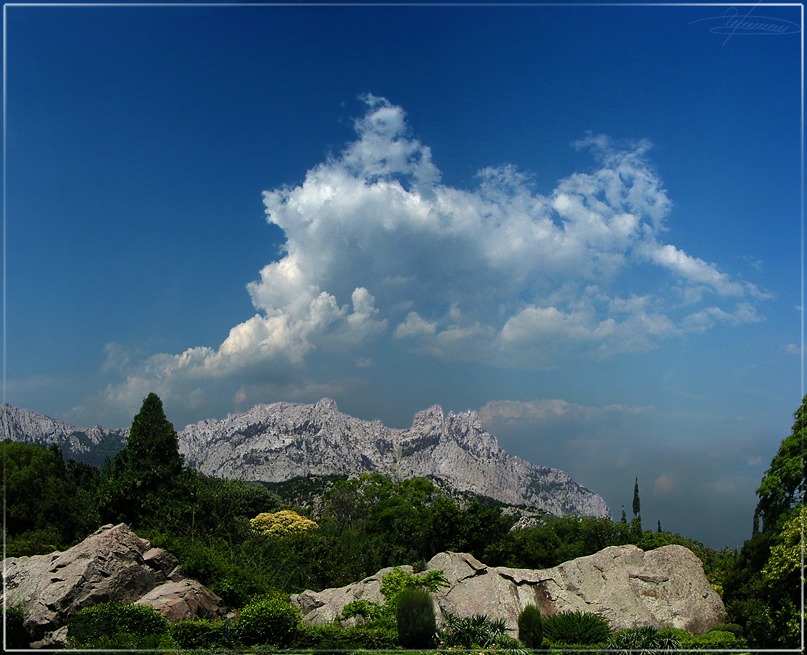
(278, 524)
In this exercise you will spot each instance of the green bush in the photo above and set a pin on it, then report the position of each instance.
(530, 629)
(733, 628)
(415, 619)
(644, 638)
(576, 628)
(268, 620)
(333, 636)
(468, 632)
(714, 639)
(137, 625)
(16, 634)
(201, 633)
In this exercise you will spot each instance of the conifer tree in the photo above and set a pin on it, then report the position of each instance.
(146, 471)
(636, 523)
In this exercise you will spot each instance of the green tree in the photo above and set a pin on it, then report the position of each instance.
(763, 590)
(143, 478)
(783, 484)
(636, 524)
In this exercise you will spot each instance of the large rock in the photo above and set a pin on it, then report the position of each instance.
(111, 564)
(623, 584)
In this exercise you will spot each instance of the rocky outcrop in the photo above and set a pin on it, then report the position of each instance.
(274, 443)
(111, 564)
(665, 587)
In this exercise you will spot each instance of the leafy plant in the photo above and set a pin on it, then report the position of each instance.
(397, 580)
(478, 630)
(268, 620)
(201, 633)
(364, 608)
(576, 628)
(530, 628)
(16, 634)
(276, 524)
(140, 625)
(415, 618)
(642, 639)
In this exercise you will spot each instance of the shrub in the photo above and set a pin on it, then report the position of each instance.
(333, 636)
(284, 522)
(415, 619)
(467, 632)
(530, 630)
(201, 633)
(16, 634)
(268, 620)
(714, 639)
(643, 639)
(397, 580)
(734, 628)
(136, 625)
(576, 628)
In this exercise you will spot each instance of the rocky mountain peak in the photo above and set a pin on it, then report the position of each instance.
(282, 441)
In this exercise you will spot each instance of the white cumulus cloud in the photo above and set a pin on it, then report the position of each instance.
(378, 248)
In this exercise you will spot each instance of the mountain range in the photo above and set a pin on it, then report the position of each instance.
(283, 441)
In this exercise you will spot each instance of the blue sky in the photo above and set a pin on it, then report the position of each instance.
(582, 222)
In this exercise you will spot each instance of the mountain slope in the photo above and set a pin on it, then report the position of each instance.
(90, 445)
(282, 441)
(277, 442)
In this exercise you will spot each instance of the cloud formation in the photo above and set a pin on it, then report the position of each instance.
(378, 249)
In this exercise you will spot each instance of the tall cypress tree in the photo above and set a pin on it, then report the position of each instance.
(146, 471)
(636, 524)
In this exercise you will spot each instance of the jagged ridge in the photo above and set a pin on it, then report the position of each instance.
(277, 442)
(90, 445)
(282, 441)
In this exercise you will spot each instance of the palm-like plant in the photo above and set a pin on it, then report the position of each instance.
(477, 630)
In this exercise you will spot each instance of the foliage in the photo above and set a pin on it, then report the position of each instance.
(762, 591)
(282, 523)
(367, 609)
(397, 580)
(143, 478)
(333, 636)
(576, 628)
(478, 630)
(50, 503)
(783, 484)
(643, 639)
(118, 622)
(415, 618)
(268, 620)
(530, 628)
(16, 634)
(201, 633)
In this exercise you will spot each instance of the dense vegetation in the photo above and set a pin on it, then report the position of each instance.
(253, 547)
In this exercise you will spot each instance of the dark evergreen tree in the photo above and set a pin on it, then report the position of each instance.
(659, 526)
(143, 477)
(636, 523)
(624, 518)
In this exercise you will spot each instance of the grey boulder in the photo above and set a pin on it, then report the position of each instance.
(112, 564)
(665, 587)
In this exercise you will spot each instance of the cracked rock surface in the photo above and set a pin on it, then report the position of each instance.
(665, 587)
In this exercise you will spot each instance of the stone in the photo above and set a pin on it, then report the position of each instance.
(183, 600)
(628, 587)
(112, 564)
